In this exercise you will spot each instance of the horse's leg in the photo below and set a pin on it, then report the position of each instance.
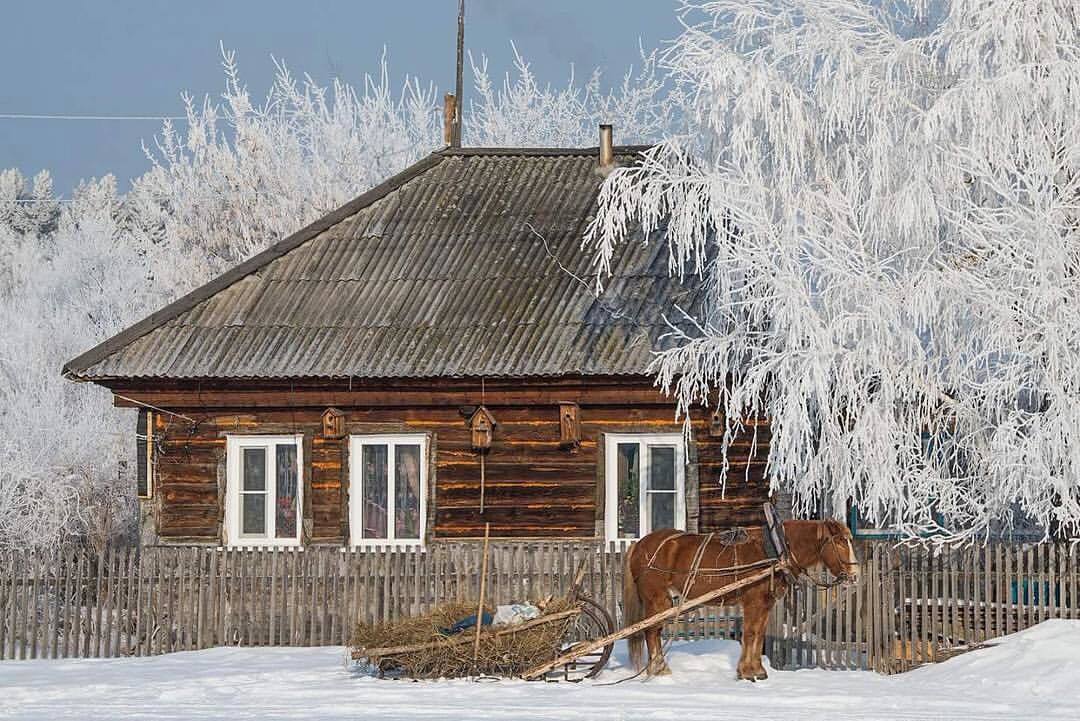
(657, 664)
(756, 605)
(655, 603)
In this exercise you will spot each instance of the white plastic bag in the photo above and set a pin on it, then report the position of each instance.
(515, 613)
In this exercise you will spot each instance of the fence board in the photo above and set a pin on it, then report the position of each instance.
(35, 563)
(11, 603)
(105, 602)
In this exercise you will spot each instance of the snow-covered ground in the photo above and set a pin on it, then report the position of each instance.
(1031, 675)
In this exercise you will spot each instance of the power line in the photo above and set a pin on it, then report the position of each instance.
(39, 116)
(23, 201)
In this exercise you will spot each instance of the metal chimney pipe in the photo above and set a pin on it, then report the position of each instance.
(607, 151)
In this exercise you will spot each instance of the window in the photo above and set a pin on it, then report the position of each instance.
(264, 487)
(144, 454)
(644, 479)
(387, 489)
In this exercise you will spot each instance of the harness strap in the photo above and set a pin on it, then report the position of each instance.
(695, 566)
(661, 545)
(732, 570)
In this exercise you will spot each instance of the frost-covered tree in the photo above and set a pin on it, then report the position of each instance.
(242, 175)
(28, 210)
(27, 207)
(521, 111)
(95, 272)
(881, 201)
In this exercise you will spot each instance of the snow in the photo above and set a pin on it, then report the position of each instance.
(1032, 674)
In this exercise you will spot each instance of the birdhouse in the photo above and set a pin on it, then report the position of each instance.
(716, 424)
(569, 425)
(482, 425)
(333, 423)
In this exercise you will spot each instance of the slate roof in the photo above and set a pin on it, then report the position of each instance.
(436, 272)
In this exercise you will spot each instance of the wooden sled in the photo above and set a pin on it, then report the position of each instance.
(585, 621)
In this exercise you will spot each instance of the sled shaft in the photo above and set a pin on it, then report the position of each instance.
(589, 647)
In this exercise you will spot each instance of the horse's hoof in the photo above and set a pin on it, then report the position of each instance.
(761, 676)
(745, 677)
(659, 669)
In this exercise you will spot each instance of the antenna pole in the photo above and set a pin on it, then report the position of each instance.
(455, 139)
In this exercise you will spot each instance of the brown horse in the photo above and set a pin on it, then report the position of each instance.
(658, 567)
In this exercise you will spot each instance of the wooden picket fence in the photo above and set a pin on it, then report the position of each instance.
(909, 607)
(914, 606)
(158, 600)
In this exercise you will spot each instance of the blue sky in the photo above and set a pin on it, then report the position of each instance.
(113, 57)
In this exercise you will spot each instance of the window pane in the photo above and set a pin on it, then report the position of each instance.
(661, 511)
(661, 468)
(253, 516)
(373, 470)
(285, 497)
(407, 491)
(627, 454)
(254, 469)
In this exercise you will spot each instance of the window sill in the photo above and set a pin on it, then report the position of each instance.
(382, 545)
(263, 543)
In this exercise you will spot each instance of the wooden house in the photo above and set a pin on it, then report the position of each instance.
(426, 359)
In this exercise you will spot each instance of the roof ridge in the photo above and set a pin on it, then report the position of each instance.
(237, 273)
(497, 150)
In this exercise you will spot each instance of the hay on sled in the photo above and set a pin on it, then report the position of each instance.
(416, 647)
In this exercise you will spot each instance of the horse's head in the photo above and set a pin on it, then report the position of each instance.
(837, 552)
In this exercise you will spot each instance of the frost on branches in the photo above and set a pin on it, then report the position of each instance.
(77, 272)
(883, 207)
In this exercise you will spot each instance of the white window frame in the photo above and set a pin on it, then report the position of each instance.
(611, 479)
(234, 453)
(356, 487)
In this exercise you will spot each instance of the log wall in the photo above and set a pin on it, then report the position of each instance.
(534, 486)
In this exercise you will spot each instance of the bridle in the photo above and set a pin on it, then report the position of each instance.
(842, 578)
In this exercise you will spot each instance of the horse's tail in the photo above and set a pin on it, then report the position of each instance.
(633, 611)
